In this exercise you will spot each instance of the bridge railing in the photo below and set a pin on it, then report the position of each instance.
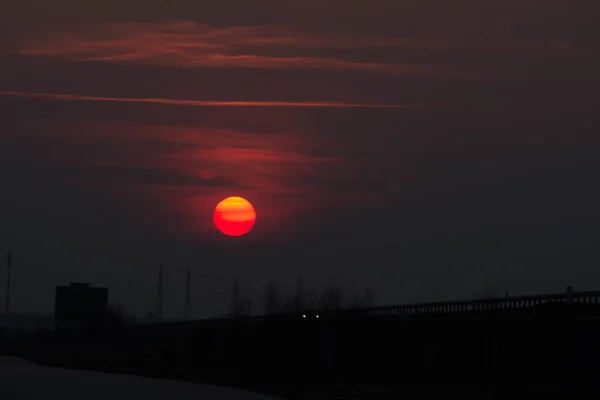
(490, 304)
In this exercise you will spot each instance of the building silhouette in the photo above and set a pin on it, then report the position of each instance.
(80, 305)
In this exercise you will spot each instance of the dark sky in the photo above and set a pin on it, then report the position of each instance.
(422, 148)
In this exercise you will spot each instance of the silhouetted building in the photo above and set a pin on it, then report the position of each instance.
(80, 305)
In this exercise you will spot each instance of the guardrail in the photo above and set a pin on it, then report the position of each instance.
(491, 304)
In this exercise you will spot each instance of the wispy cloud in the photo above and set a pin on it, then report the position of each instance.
(191, 35)
(193, 45)
(202, 103)
(191, 169)
(190, 44)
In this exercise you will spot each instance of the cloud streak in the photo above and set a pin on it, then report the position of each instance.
(203, 103)
(193, 45)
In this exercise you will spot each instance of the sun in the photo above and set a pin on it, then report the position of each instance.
(234, 216)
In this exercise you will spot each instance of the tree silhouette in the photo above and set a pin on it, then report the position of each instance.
(363, 300)
(309, 298)
(298, 303)
(311, 295)
(241, 304)
(331, 297)
(150, 316)
(272, 298)
(116, 314)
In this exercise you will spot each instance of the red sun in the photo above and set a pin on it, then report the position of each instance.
(234, 216)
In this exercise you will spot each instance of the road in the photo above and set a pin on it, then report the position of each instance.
(24, 380)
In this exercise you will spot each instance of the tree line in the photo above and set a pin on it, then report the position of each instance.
(273, 300)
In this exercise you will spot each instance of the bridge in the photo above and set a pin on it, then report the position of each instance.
(495, 341)
(475, 305)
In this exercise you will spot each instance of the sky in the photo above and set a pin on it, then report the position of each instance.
(425, 149)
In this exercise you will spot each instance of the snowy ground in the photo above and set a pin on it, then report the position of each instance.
(24, 380)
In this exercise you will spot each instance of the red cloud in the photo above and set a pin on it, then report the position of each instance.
(194, 169)
(188, 44)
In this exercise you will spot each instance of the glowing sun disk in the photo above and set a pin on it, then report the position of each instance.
(234, 216)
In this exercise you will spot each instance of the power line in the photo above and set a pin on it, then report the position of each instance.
(187, 294)
(159, 299)
(9, 265)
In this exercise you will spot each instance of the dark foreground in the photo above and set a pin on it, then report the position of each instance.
(536, 351)
(24, 380)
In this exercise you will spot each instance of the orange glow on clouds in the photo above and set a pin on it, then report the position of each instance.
(200, 103)
(234, 216)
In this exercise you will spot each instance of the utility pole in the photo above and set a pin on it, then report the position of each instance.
(159, 299)
(187, 295)
(9, 265)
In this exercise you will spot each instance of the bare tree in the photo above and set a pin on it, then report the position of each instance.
(304, 298)
(361, 300)
(368, 298)
(272, 298)
(241, 305)
(353, 301)
(311, 295)
(331, 297)
(287, 304)
(116, 314)
(298, 303)
(150, 316)
(247, 304)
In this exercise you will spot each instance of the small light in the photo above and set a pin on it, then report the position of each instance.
(317, 315)
(303, 315)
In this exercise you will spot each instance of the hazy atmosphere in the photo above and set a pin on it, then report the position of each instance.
(424, 149)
